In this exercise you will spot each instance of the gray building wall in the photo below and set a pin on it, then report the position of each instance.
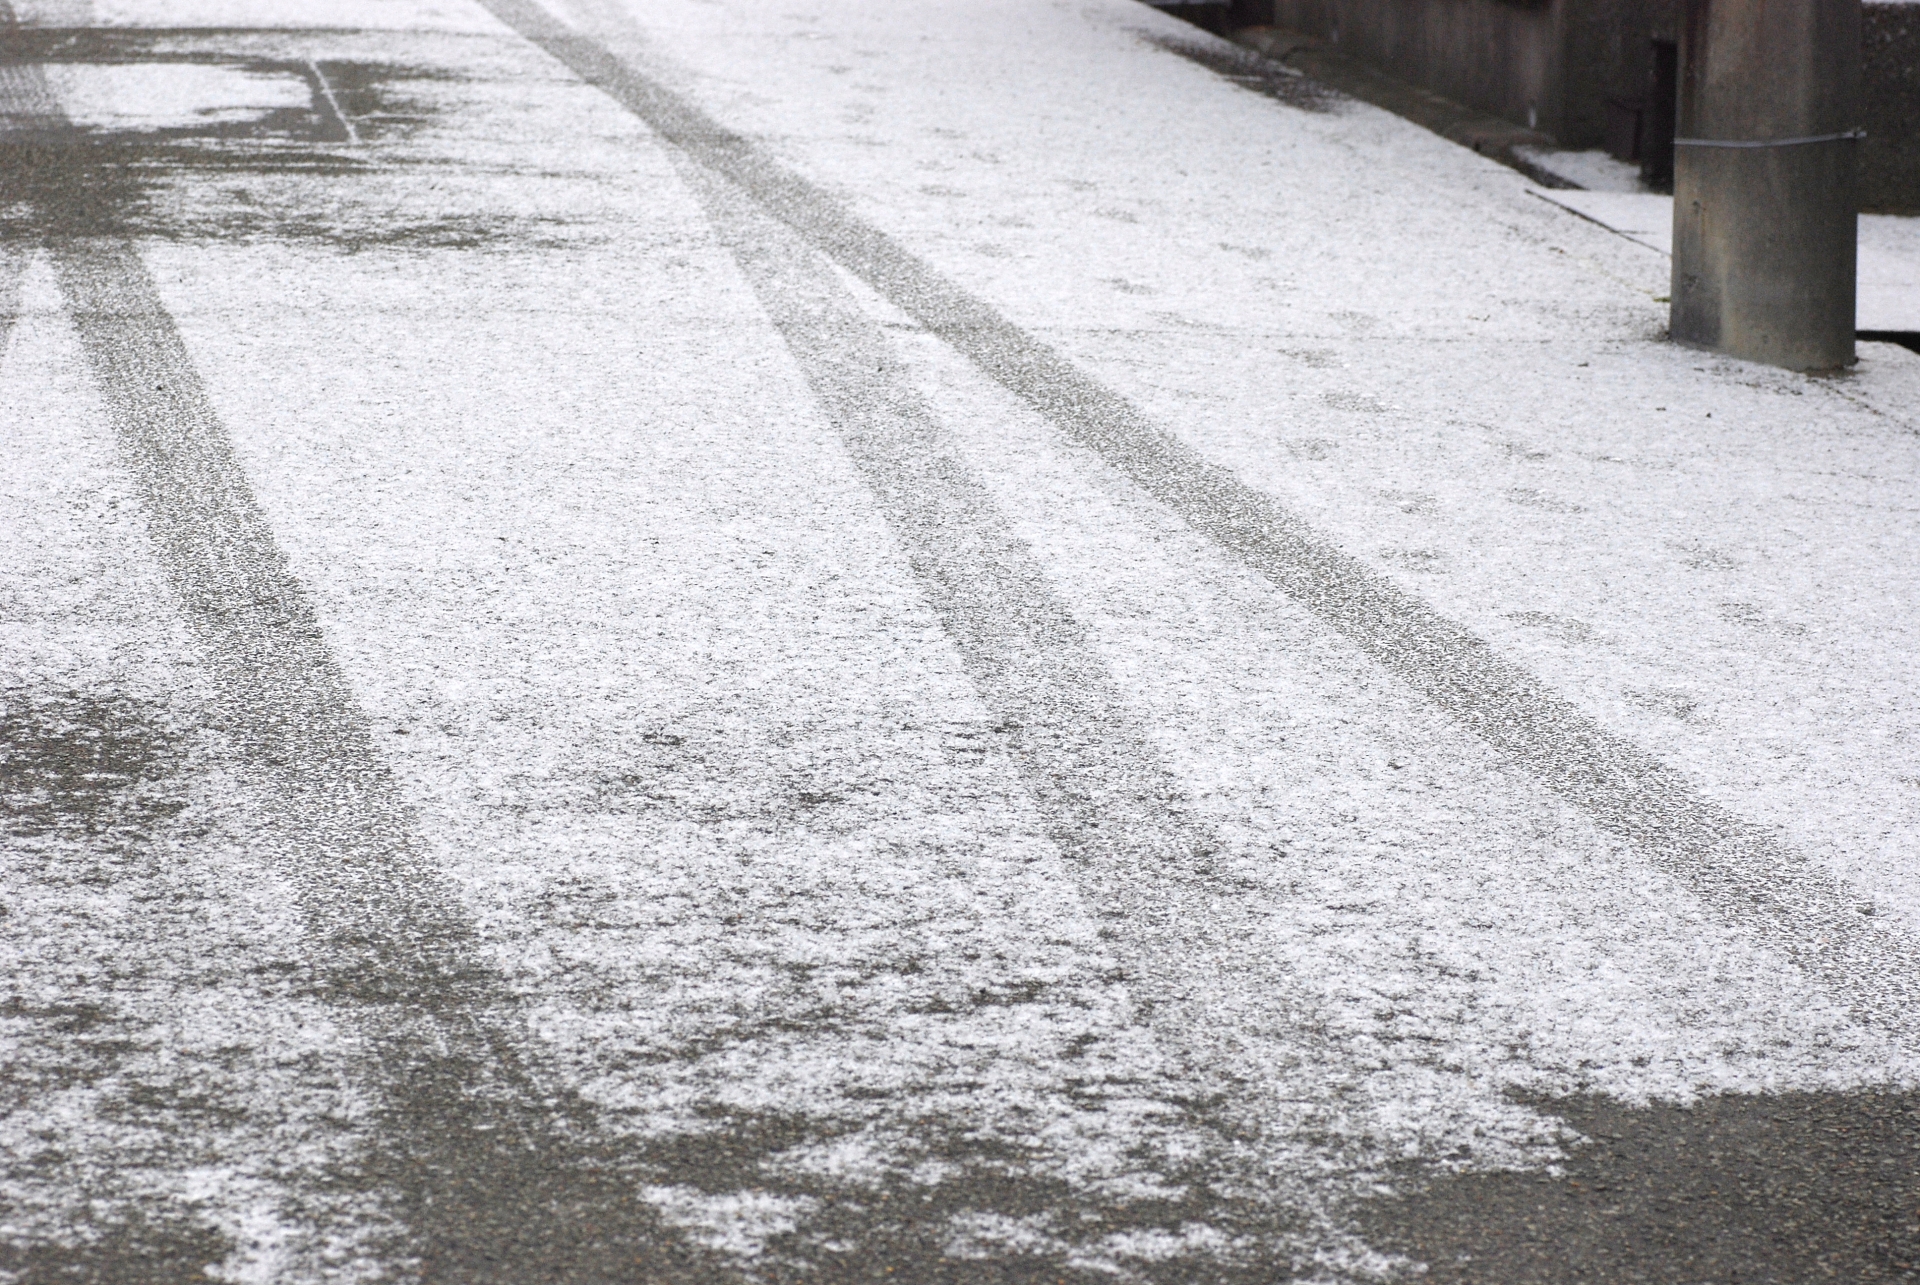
(1552, 65)
(1546, 64)
(1890, 108)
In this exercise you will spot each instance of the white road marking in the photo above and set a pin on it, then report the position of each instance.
(333, 104)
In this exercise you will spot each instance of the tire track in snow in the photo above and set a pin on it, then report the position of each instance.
(1738, 869)
(13, 266)
(493, 1175)
(1144, 861)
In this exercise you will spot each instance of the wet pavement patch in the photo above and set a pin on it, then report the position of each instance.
(492, 1188)
(958, 1206)
(85, 763)
(135, 1251)
(227, 135)
(218, 83)
(1774, 1189)
(88, 779)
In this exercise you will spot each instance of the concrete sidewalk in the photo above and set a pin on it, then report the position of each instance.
(1889, 281)
(924, 642)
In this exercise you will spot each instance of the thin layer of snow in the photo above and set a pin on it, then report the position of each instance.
(145, 96)
(679, 722)
(1593, 170)
(1643, 217)
(1889, 281)
(163, 1049)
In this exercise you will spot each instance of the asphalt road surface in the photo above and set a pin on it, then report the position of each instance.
(684, 641)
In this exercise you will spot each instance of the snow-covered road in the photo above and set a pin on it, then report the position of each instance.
(653, 640)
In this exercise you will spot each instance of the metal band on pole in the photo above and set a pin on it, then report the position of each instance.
(1845, 136)
(1765, 222)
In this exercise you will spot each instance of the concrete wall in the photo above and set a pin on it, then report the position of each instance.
(1890, 103)
(1553, 64)
(1546, 64)
(1499, 57)
(1608, 49)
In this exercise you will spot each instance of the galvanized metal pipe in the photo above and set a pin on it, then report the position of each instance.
(1765, 216)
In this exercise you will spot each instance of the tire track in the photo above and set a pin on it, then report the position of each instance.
(1738, 869)
(492, 1174)
(1145, 863)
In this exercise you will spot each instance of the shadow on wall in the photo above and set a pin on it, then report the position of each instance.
(1890, 108)
(1569, 68)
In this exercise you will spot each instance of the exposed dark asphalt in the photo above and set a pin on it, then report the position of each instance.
(1784, 1189)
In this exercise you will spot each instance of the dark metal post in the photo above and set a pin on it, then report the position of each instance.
(1765, 218)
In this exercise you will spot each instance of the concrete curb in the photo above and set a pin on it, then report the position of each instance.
(1490, 136)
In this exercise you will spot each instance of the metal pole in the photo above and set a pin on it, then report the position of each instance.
(1765, 218)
